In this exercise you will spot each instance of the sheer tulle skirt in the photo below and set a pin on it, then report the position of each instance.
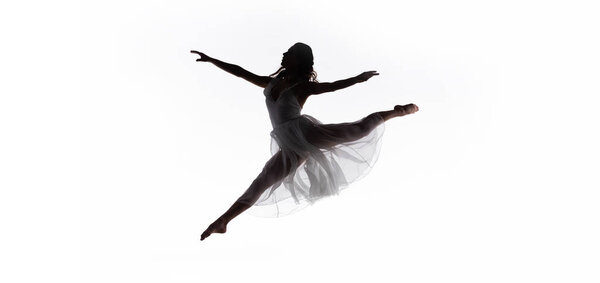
(317, 169)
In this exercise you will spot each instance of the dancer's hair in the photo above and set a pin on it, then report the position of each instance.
(304, 70)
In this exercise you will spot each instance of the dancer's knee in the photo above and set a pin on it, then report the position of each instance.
(367, 124)
(265, 178)
(271, 173)
(256, 188)
(374, 119)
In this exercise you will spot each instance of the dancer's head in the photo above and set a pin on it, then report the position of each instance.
(298, 62)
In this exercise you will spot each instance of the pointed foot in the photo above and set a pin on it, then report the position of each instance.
(219, 226)
(406, 109)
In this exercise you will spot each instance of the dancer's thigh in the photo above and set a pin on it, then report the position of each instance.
(279, 166)
(328, 135)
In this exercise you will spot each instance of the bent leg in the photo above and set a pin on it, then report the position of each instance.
(274, 170)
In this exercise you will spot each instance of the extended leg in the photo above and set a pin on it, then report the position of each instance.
(272, 172)
(334, 134)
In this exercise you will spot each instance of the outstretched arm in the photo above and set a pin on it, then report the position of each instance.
(235, 70)
(318, 88)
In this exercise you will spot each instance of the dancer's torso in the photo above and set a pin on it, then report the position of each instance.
(286, 105)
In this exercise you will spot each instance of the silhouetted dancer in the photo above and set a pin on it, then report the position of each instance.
(311, 160)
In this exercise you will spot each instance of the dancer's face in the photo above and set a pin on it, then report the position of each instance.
(289, 60)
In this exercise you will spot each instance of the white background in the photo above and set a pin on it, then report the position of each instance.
(118, 149)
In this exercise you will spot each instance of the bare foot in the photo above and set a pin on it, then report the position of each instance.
(219, 226)
(406, 109)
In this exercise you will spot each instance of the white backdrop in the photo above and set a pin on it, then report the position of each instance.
(116, 176)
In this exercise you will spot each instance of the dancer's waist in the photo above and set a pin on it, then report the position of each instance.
(286, 122)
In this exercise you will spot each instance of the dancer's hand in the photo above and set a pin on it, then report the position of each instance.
(203, 57)
(366, 75)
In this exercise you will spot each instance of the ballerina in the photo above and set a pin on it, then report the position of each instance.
(310, 159)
